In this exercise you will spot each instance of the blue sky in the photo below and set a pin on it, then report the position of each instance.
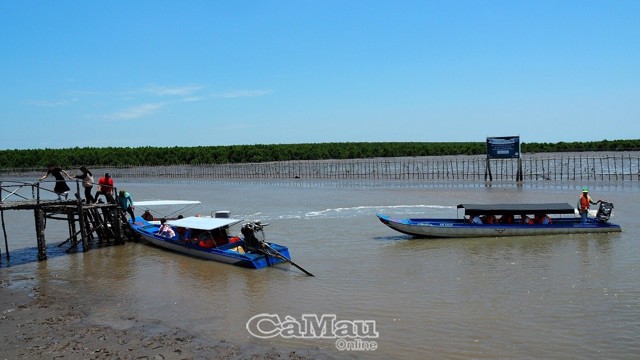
(190, 73)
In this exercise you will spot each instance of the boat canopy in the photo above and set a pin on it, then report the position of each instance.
(203, 223)
(516, 209)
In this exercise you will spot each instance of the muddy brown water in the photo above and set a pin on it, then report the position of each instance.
(560, 297)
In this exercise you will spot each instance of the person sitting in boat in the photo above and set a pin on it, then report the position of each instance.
(206, 240)
(489, 219)
(165, 230)
(183, 233)
(220, 236)
(543, 219)
(506, 219)
(525, 219)
(147, 215)
(193, 236)
(475, 219)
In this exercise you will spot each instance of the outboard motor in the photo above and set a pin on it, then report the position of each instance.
(251, 241)
(604, 211)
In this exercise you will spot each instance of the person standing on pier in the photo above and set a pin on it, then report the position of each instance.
(105, 187)
(126, 203)
(87, 183)
(61, 189)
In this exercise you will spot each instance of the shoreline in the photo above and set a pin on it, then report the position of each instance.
(35, 325)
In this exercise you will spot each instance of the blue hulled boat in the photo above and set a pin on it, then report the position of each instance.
(207, 238)
(516, 226)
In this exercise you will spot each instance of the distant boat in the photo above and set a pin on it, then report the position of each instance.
(463, 228)
(207, 238)
(177, 207)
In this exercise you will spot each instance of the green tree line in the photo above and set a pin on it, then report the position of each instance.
(149, 156)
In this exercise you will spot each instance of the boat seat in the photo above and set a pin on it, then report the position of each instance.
(238, 248)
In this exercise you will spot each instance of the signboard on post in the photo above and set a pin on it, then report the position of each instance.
(503, 147)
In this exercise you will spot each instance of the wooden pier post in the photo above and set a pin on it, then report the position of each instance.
(4, 231)
(39, 222)
(73, 234)
(83, 227)
(118, 226)
(38, 215)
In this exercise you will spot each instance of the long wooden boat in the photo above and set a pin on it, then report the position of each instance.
(177, 207)
(463, 227)
(207, 238)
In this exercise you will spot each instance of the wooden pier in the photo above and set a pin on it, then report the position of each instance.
(101, 223)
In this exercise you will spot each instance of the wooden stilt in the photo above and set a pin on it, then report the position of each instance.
(40, 224)
(4, 231)
(83, 228)
(73, 234)
(108, 219)
(101, 229)
(118, 226)
(91, 223)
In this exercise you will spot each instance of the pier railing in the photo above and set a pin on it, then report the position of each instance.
(11, 190)
(17, 190)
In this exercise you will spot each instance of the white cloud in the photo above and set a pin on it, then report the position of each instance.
(145, 96)
(242, 93)
(173, 90)
(136, 112)
(52, 103)
(192, 99)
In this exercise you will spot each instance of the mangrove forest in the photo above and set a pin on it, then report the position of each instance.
(237, 154)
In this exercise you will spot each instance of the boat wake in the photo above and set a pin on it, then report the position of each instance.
(355, 211)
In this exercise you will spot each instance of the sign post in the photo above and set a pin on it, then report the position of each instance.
(503, 147)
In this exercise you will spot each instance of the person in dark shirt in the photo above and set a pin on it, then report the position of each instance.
(61, 188)
(87, 183)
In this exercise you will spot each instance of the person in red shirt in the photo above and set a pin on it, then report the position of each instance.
(105, 187)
